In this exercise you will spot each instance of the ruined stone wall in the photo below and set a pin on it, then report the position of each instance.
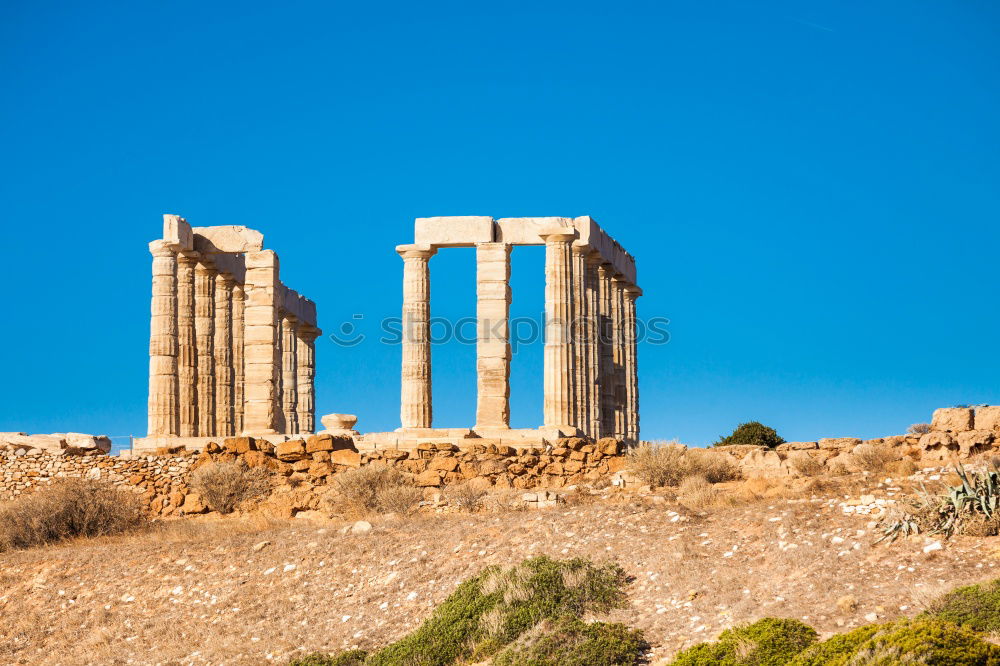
(304, 468)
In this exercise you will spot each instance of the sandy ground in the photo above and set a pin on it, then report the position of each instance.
(201, 593)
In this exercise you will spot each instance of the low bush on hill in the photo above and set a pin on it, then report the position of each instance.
(669, 463)
(528, 614)
(66, 509)
(975, 607)
(752, 433)
(768, 642)
(224, 486)
(372, 489)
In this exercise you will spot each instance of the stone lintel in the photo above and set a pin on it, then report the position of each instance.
(227, 239)
(298, 306)
(231, 264)
(177, 232)
(453, 231)
(527, 230)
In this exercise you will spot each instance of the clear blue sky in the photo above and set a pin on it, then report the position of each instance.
(810, 190)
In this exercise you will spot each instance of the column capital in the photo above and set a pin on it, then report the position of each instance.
(416, 251)
(161, 248)
(205, 265)
(579, 247)
(633, 291)
(558, 234)
(188, 258)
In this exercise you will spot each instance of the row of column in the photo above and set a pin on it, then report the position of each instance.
(590, 363)
(218, 365)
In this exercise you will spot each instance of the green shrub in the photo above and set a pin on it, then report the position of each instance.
(975, 607)
(349, 658)
(754, 433)
(488, 612)
(569, 641)
(921, 641)
(768, 642)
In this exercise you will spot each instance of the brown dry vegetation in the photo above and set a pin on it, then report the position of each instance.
(212, 591)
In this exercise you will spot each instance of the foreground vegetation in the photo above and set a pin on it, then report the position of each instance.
(528, 614)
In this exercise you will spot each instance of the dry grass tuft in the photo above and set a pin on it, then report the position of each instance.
(371, 489)
(225, 486)
(66, 509)
(805, 464)
(872, 458)
(466, 496)
(697, 493)
(669, 463)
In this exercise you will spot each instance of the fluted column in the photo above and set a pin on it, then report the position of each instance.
(306, 373)
(493, 335)
(618, 351)
(187, 350)
(578, 340)
(162, 406)
(632, 364)
(593, 344)
(223, 347)
(607, 368)
(559, 368)
(415, 401)
(289, 375)
(239, 299)
(204, 328)
(261, 345)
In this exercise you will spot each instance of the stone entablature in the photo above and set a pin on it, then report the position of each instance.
(232, 349)
(590, 362)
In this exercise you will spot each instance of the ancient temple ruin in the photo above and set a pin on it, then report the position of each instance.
(231, 348)
(590, 365)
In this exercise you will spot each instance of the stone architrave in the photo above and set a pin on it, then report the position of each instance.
(415, 400)
(187, 349)
(223, 350)
(306, 359)
(289, 375)
(493, 335)
(558, 355)
(162, 407)
(204, 327)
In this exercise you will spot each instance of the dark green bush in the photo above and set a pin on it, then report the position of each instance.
(768, 642)
(485, 614)
(975, 607)
(921, 641)
(569, 641)
(349, 658)
(754, 433)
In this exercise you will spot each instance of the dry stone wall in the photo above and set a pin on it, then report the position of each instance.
(304, 468)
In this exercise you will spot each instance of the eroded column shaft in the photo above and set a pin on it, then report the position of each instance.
(163, 381)
(493, 335)
(592, 345)
(306, 358)
(632, 364)
(239, 297)
(289, 375)
(559, 366)
(223, 348)
(187, 350)
(607, 369)
(618, 353)
(416, 393)
(204, 328)
(261, 345)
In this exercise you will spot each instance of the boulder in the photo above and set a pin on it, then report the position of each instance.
(987, 418)
(429, 478)
(82, 441)
(953, 419)
(972, 442)
(345, 457)
(840, 443)
(796, 446)
(291, 450)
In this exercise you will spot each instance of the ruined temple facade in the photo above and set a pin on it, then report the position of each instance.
(591, 383)
(231, 348)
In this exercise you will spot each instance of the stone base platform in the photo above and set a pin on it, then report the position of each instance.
(410, 438)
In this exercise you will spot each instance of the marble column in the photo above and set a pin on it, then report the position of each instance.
(607, 368)
(578, 330)
(289, 375)
(593, 344)
(187, 350)
(223, 348)
(306, 373)
(239, 297)
(559, 367)
(163, 384)
(415, 401)
(204, 328)
(632, 364)
(493, 335)
(618, 352)
(261, 345)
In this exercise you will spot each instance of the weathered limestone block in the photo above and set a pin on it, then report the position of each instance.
(841, 443)
(972, 442)
(346, 457)
(953, 419)
(987, 418)
(291, 450)
(796, 446)
(938, 445)
(428, 478)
